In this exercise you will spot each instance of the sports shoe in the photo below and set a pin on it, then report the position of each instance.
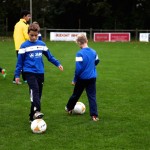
(38, 115)
(95, 118)
(25, 81)
(69, 111)
(4, 73)
(30, 121)
(16, 83)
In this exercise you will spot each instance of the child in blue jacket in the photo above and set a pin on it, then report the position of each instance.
(85, 77)
(30, 60)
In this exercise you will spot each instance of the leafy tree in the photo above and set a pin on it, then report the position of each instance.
(79, 14)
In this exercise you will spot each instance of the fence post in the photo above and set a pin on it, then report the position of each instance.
(90, 33)
(45, 33)
(136, 34)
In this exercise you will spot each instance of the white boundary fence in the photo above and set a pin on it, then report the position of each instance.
(134, 33)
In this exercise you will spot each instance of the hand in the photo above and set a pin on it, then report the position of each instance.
(17, 80)
(61, 67)
(73, 83)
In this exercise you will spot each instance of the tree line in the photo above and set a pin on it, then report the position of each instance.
(79, 14)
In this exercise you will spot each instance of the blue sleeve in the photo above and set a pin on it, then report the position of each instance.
(19, 65)
(51, 58)
(78, 67)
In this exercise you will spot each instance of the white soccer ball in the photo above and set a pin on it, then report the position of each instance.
(38, 126)
(79, 108)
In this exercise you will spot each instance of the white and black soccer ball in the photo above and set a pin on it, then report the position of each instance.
(38, 126)
(79, 108)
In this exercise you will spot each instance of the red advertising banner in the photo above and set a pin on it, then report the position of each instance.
(123, 37)
(101, 37)
(111, 37)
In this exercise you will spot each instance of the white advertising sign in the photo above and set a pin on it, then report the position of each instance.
(64, 36)
(144, 37)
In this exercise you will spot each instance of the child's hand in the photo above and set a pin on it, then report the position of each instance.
(17, 80)
(73, 83)
(61, 67)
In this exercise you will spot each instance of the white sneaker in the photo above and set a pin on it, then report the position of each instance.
(38, 115)
(16, 83)
(25, 81)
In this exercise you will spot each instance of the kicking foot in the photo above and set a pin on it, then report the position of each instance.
(68, 111)
(38, 115)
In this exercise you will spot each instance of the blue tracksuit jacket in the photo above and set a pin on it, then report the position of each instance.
(30, 57)
(86, 60)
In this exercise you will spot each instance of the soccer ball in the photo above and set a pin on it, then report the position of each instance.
(79, 108)
(38, 126)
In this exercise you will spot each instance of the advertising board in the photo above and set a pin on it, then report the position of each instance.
(64, 36)
(111, 37)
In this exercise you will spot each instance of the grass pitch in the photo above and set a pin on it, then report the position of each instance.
(123, 97)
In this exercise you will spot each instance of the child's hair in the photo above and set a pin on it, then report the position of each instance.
(33, 27)
(35, 22)
(81, 39)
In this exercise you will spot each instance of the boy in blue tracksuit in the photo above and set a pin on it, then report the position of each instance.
(85, 77)
(30, 60)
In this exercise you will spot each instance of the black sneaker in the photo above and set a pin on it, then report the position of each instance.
(30, 121)
(68, 111)
(38, 115)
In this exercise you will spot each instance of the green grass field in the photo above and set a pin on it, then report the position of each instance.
(123, 97)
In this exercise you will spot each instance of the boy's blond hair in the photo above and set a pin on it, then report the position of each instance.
(81, 39)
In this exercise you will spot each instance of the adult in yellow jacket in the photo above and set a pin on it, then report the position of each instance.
(21, 34)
